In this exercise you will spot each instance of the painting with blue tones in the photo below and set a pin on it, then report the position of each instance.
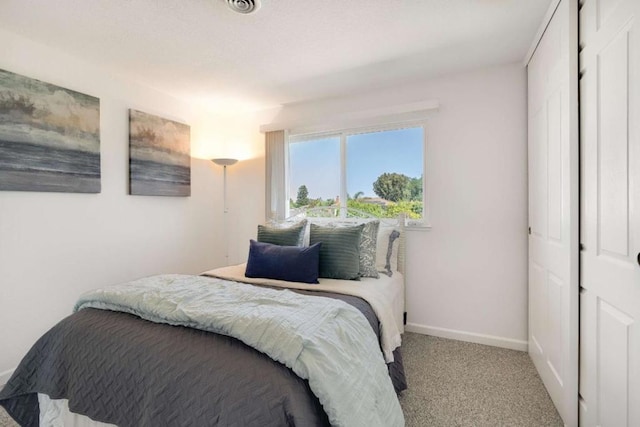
(159, 156)
(49, 137)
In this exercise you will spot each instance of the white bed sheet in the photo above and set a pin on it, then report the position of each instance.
(56, 413)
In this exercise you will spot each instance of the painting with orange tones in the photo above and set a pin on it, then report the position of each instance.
(159, 156)
(49, 137)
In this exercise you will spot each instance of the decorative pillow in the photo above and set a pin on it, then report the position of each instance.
(290, 236)
(340, 252)
(387, 250)
(368, 248)
(290, 263)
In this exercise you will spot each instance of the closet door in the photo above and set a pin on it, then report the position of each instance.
(610, 209)
(553, 210)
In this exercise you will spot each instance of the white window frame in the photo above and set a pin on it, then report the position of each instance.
(343, 134)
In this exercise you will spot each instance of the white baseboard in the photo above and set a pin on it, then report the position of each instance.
(468, 336)
(4, 377)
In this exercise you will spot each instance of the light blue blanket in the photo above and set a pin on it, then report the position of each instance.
(326, 341)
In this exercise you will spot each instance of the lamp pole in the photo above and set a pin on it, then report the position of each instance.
(224, 162)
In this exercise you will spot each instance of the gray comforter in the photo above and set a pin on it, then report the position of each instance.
(117, 368)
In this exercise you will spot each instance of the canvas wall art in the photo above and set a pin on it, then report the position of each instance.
(49, 137)
(159, 156)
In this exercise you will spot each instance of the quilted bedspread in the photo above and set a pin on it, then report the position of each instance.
(100, 359)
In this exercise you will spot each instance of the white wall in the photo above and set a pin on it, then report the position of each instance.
(239, 137)
(467, 275)
(53, 246)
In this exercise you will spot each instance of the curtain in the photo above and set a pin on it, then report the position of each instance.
(276, 157)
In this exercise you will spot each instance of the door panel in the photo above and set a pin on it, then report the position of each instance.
(613, 146)
(555, 349)
(553, 210)
(538, 167)
(537, 315)
(613, 356)
(610, 214)
(554, 167)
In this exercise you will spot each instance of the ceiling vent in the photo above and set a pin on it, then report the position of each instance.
(244, 6)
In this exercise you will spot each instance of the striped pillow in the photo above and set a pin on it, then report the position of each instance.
(340, 251)
(290, 236)
(368, 246)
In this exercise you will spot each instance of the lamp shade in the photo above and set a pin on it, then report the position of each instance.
(225, 162)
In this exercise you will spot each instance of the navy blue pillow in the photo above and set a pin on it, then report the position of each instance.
(290, 263)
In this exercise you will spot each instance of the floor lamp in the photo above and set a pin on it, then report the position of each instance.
(224, 163)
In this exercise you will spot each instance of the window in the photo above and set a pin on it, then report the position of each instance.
(379, 171)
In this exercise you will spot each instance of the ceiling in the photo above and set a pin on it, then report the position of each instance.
(289, 51)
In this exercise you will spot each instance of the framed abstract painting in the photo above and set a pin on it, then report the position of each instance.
(159, 156)
(49, 137)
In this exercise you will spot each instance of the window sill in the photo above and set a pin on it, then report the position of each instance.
(417, 226)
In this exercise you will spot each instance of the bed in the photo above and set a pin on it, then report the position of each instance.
(208, 360)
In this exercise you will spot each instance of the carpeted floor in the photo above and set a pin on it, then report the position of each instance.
(454, 383)
(5, 420)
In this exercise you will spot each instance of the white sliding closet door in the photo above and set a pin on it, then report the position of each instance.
(553, 210)
(610, 210)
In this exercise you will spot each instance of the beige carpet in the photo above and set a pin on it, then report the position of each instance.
(5, 420)
(454, 383)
